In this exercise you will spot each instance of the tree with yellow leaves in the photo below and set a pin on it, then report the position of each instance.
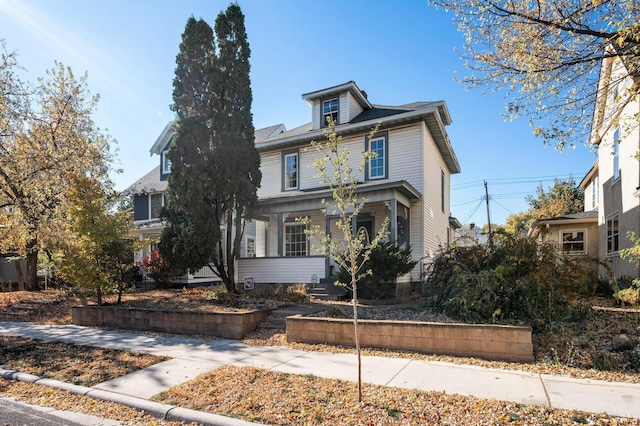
(545, 56)
(46, 136)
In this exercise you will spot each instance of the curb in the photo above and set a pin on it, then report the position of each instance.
(155, 409)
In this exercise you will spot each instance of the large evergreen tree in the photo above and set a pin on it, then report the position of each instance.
(215, 165)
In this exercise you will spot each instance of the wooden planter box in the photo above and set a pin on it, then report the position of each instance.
(493, 342)
(227, 325)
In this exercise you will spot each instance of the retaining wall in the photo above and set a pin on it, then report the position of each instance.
(227, 325)
(493, 342)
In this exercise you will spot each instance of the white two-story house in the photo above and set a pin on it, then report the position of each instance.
(408, 181)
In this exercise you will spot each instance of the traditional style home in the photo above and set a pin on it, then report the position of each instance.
(408, 181)
(612, 185)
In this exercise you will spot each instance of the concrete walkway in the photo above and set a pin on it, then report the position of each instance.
(191, 357)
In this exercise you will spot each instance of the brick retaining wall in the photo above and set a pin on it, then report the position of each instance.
(227, 325)
(494, 342)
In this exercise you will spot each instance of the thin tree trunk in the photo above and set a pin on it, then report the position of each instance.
(357, 337)
(18, 267)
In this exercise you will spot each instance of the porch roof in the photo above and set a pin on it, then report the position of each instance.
(311, 199)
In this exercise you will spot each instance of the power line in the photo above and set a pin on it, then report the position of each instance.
(512, 181)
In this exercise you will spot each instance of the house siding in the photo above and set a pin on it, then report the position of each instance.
(270, 166)
(405, 163)
(435, 221)
(619, 196)
(353, 107)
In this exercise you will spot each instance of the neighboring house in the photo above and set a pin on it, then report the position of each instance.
(408, 182)
(612, 185)
(575, 234)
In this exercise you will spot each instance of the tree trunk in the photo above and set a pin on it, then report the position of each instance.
(32, 268)
(354, 285)
(16, 263)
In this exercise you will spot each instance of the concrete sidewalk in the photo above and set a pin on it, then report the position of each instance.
(191, 357)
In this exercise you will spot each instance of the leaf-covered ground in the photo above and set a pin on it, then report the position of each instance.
(277, 398)
(284, 399)
(80, 365)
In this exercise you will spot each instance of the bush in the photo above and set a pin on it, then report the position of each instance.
(159, 270)
(515, 279)
(387, 262)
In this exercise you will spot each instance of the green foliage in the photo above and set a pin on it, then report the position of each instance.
(386, 262)
(215, 165)
(605, 361)
(630, 294)
(516, 279)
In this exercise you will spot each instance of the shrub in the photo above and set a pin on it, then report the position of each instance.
(387, 262)
(159, 270)
(515, 279)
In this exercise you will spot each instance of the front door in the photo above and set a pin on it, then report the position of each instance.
(367, 227)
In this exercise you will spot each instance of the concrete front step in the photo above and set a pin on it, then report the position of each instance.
(278, 318)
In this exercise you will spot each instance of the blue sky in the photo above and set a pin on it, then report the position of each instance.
(398, 52)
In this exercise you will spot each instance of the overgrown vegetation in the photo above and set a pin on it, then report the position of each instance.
(387, 262)
(514, 280)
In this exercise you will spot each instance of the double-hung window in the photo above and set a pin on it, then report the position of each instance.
(573, 242)
(290, 170)
(616, 155)
(295, 240)
(329, 110)
(613, 223)
(377, 166)
(155, 204)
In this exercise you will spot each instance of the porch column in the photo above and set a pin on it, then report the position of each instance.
(280, 233)
(354, 225)
(393, 220)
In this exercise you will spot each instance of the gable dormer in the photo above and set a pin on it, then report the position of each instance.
(161, 147)
(342, 103)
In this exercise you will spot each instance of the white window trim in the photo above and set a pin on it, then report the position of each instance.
(385, 158)
(584, 241)
(284, 239)
(166, 163)
(616, 157)
(161, 204)
(246, 246)
(323, 115)
(297, 185)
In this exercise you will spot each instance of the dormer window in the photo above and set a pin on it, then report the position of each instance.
(166, 163)
(329, 109)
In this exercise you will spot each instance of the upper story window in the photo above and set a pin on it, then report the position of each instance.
(594, 192)
(377, 167)
(156, 201)
(329, 109)
(616, 155)
(612, 234)
(442, 194)
(573, 242)
(290, 170)
(166, 163)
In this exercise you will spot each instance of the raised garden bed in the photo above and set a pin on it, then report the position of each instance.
(227, 325)
(493, 342)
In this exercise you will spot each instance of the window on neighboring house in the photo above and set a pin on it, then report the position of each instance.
(442, 190)
(166, 163)
(290, 170)
(612, 234)
(594, 192)
(377, 165)
(155, 204)
(251, 247)
(295, 240)
(329, 109)
(616, 155)
(573, 241)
